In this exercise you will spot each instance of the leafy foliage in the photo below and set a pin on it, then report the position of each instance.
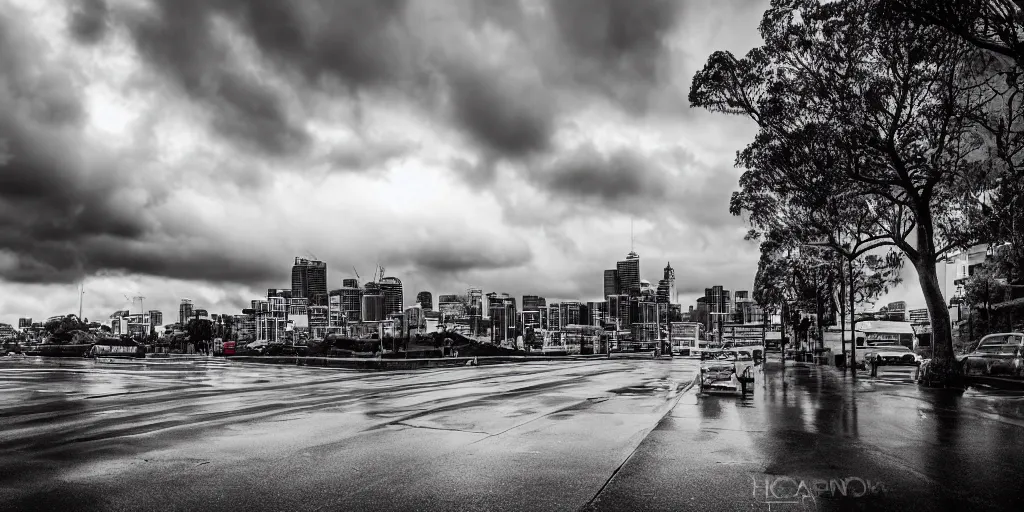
(199, 330)
(869, 136)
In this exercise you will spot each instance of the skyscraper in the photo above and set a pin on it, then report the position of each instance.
(628, 272)
(394, 300)
(532, 302)
(351, 303)
(350, 282)
(309, 280)
(425, 300)
(611, 282)
(475, 296)
(185, 311)
(670, 279)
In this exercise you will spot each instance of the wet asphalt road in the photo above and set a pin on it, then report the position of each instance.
(598, 434)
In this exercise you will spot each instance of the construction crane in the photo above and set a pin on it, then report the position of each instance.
(356, 272)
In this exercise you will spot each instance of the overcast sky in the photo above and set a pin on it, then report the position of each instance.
(190, 148)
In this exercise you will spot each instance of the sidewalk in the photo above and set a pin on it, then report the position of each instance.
(812, 438)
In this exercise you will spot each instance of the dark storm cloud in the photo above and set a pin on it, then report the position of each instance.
(507, 118)
(88, 20)
(368, 155)
(360, 42)
(616, 47)
(66, 209)
(453, 255)
(178, 41)
(610, 179)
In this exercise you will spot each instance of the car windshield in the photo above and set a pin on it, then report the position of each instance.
(891, 348)
(1000, 343)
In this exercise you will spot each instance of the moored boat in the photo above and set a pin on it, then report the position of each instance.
(108, 348)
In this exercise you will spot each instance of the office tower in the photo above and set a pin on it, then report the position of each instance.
(373, 307)
(663, 294)
(350, 304)
(628, 272)
(285, 293)
(350, 283)
(394, 300)
(452, 306)
(425, 300)
(185, 311)
(554, 316)
(718, 304)
(532, 302)
(24, 323)
(670, 278)
(503, 319)
(596, 311)
(611, 282)
(475, 298)
(309, 280)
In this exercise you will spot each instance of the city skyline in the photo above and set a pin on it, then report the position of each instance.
(517, 163)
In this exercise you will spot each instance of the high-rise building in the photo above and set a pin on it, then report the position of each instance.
(394, 301)
(24, 323)
(628, 272)
(425, 300)
(185, 311)
(309, 280)
(475, 298)
(719, 306)
(554, 319)
(503, 319)
(319, 321)
(663, 294)
(284, 293)
(373, 307)
(350, 282)
(532, 302)
(573, 313)
(156, 319)
(670, 277)
(349, 305)
(596, 311)
(618, 311)
(611, 282)
(452, 306)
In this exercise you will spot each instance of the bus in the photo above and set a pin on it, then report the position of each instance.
(685, 338)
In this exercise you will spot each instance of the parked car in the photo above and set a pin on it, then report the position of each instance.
(892, 356)
(726, 372)
(997, 355)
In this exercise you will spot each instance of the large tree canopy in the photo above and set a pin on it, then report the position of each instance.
(865, 118)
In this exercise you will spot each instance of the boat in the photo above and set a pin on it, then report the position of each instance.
(64, 350)
(117, 348)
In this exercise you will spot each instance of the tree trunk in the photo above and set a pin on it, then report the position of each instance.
(842, 315)
(853, 319)
(942, 333)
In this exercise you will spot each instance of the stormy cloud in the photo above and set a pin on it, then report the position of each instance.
(494, 143)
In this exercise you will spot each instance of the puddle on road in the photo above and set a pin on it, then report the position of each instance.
(647, 389)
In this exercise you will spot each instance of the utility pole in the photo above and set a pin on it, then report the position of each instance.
(81, 296)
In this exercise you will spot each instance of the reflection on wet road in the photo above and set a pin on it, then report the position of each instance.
(592, 435)
(811, 438)
(77, 434)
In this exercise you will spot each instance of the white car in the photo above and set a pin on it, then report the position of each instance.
(891, 355)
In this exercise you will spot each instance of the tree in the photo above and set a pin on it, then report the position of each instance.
(199, 330)
(867, 107)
